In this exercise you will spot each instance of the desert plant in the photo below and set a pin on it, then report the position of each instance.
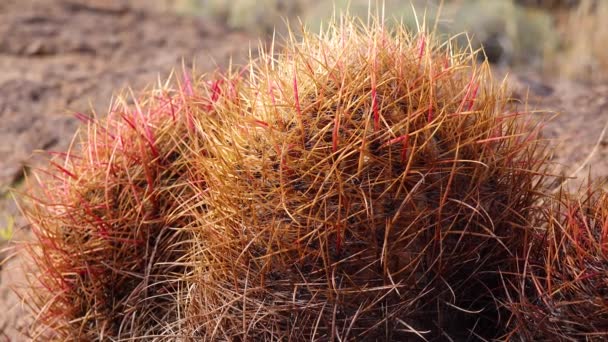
(563, 291)
(548, 4)
(6, 230)
(364, 183)
(262, 17)
(110, 232)
(510, 34)
(373, 184)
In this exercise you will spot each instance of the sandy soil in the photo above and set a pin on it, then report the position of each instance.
(575, 121)
(58, 57)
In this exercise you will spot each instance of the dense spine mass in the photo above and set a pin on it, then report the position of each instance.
(379, 189)
(563, 290)
(361, 184)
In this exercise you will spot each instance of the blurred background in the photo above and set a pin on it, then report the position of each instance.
(542, 35)
(61, 57)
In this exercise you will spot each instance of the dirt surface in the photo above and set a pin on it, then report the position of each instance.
(575, 120)
(579, 130)
(58, 57)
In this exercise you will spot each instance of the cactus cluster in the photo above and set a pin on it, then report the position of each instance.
(366, 183)
(109, 225)
(563, 289)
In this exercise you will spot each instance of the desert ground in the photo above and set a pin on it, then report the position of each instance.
(60, 57)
